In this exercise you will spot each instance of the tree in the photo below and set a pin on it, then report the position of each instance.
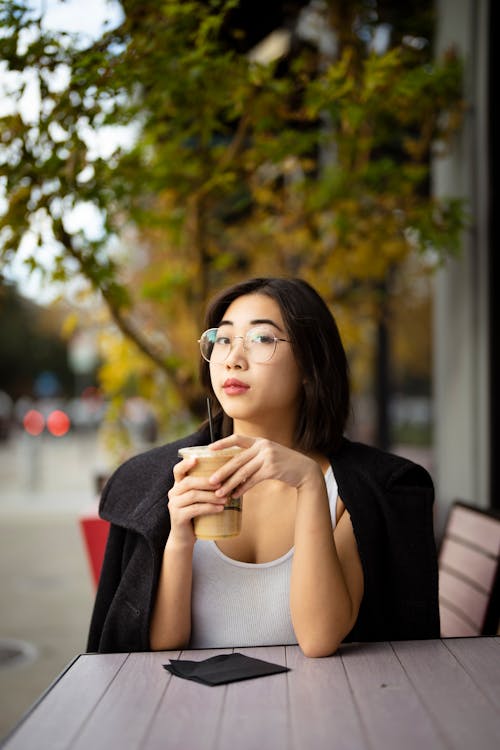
(315, 163)
(30, 343)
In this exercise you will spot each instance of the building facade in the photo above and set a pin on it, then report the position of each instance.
(465, 366)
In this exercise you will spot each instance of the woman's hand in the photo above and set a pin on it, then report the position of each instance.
(258, 460)
(189, 497)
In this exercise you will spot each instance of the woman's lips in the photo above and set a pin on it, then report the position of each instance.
(234, 387)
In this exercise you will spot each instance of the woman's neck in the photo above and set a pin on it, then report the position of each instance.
(282, 434)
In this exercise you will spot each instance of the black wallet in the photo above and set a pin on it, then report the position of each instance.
(219, 670)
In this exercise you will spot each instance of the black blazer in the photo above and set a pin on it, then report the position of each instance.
(390, 501)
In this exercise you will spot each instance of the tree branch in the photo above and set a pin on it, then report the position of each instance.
(185, 386)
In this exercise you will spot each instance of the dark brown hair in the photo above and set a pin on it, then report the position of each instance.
(318, 351)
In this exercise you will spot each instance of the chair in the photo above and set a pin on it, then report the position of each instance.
(469, 572)
(94, 531)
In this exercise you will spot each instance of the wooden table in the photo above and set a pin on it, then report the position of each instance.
(409, 695)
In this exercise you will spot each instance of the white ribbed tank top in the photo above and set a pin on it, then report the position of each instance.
(240, 604)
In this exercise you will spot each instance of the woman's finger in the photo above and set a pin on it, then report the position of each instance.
(203, 509)
(182, 468)
(240, 480)
(235, 464)
(243, 441)
(194, 497)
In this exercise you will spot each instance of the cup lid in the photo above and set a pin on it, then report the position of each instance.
(205, 450)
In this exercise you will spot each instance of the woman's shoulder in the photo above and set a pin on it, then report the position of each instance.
(144, 478)
(142, 464)
(382, 466)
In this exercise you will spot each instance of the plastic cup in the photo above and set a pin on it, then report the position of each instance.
(214, 525)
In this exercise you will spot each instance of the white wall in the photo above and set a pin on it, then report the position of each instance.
(461, 353)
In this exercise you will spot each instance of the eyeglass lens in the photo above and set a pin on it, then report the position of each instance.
(259, 343)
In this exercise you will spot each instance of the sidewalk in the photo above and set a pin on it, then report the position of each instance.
(47, 599)
(45, 583)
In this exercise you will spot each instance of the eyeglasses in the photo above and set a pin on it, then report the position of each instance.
(259, 344)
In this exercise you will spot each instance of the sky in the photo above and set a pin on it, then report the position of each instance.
(90, 17)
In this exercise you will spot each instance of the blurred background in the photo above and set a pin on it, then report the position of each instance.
(153, 153)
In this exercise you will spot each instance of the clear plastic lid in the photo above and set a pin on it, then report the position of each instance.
(204, 451)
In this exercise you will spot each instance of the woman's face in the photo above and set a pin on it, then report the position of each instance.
(264, 394)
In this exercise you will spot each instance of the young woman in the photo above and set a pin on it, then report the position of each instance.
(337, 538)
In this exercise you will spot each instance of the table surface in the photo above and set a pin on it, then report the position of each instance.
(409, 695)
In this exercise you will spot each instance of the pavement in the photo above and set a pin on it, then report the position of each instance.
(46, 588)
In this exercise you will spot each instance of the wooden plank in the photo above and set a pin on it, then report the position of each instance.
(323, 714)
(469, 563)
(452, 625)
(465, 717)
(189, 713)
(464, 597)
(392, 713)
(436, 694)
(481, 658)
(476, 528)
(122, 717)
(256, 712)
(56, 719)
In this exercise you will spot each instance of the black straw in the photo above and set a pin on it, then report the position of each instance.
(210, 423)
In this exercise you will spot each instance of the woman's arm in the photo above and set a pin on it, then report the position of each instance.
(327, 578)
(170, 626)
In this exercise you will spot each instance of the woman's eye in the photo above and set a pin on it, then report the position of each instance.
(263, 338)
(222, 341)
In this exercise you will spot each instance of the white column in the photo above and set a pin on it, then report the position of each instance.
(461, 349)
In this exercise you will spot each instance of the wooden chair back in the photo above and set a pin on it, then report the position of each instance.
(469, 572)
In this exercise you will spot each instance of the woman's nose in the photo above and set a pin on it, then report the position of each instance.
(237, 356)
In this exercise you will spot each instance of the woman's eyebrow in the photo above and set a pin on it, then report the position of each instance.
(256, 322)
(259, 321)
